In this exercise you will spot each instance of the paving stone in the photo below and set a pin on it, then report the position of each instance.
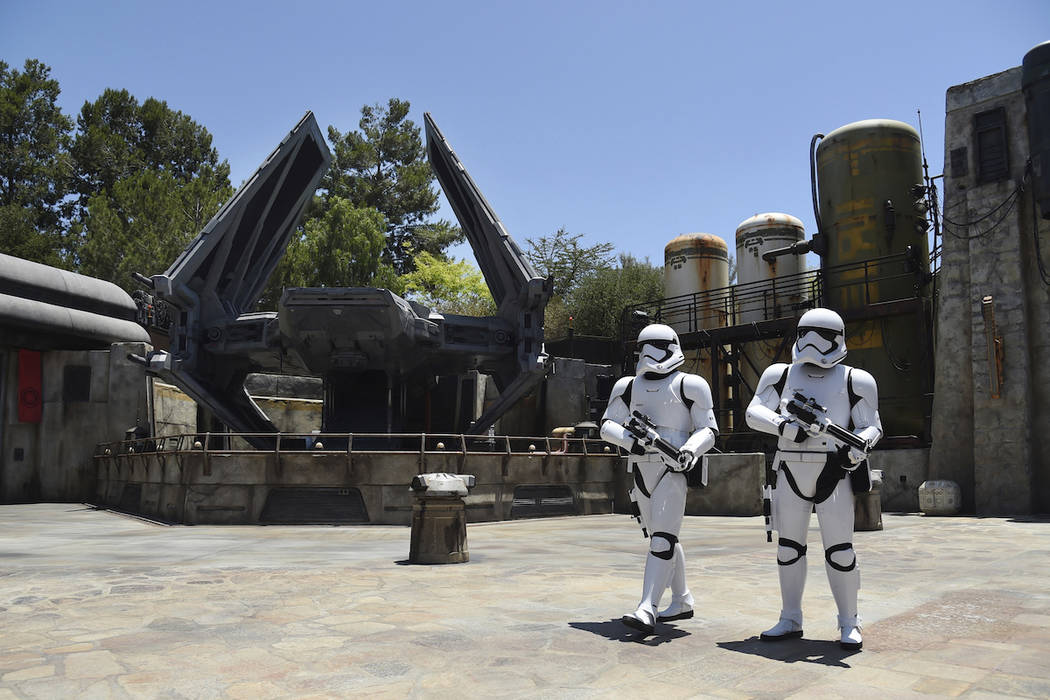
(28, 674)
(950, 605)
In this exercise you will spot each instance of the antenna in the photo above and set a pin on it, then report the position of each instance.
(931, 188)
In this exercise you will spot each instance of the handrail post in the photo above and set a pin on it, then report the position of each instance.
(867, 293)
(422, 452)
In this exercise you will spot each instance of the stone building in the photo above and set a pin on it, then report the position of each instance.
(991, 417)
(66, 382)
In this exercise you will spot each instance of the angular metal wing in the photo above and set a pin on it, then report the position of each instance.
(227, 265)
(507, 271)
(518, 290)
(217, 280)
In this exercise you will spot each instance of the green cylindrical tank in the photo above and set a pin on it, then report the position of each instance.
(868, 173)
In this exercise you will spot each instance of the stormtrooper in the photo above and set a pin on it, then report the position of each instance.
(665, 420)
(826, 417)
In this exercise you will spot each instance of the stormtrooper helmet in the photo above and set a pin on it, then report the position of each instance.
(821, 339)
(659, 351)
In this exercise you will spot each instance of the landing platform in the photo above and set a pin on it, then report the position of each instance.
(94, 604)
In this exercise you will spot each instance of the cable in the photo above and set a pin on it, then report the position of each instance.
(1009, 203)
(990, 212)
(1035, 234)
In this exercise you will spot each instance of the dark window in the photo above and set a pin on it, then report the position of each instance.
(993, 163)
(959, 162)
(76, 383)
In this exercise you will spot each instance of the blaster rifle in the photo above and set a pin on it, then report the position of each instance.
(644, 430)
(809, 412)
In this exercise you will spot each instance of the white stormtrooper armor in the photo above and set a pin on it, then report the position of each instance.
(850, 396)
(680, 406)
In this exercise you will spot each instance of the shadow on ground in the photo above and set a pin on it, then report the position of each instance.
(619, 632)
(814, 651)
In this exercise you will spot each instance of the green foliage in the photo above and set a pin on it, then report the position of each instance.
(117, 137)
(34, 164)
(598, 301)
(384, 166)
(143, 224)
(562, 256)
(340, 248)
(448, 286)
(147, 180)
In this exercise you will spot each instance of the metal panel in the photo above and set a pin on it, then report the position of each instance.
(303, 505)
(542, 501)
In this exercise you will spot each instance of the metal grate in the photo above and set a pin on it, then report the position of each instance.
(993, 161)
(542, 501)
(311, 505)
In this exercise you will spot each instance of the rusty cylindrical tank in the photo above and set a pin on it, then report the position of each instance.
(697, 264)
(755, 237)
(867, 174)
(757, 301)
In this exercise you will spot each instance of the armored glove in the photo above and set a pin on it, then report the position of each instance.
(686, 461)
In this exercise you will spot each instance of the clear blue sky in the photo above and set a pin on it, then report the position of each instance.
(628, 122)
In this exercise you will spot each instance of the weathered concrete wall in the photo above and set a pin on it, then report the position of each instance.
(292, 415)
(903, 471)
(52, 460)
(174, 413)
(562, 400)
(734, 486)
(994, 448)
(195, 486)
(284, 386)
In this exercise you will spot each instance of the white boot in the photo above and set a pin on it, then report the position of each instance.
(657, 572)
(641, 619)
(784, 629)
(681, 608)
(849, 633)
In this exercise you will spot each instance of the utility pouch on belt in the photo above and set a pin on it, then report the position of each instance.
(696, 478)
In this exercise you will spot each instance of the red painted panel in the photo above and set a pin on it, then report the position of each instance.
(30, 389)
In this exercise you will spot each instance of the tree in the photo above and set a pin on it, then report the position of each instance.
(449, 286)
(143, 224)
(384, 166)
(34, 164)
(562, 256)
(341, 248)
(147, 178)
(598, 302)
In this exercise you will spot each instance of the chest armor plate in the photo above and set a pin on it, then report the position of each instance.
(661, 400)
(829, 388)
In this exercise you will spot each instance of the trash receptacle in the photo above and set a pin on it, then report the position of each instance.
(867, 507)
(439, 519)
(940, 497)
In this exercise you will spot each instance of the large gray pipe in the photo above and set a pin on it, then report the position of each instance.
(31, 280)
(1035, 83)
(42, 306)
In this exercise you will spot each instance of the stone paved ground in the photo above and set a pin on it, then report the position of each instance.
(99, 605)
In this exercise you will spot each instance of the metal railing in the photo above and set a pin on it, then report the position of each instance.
(356, 443)
(850, 285)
